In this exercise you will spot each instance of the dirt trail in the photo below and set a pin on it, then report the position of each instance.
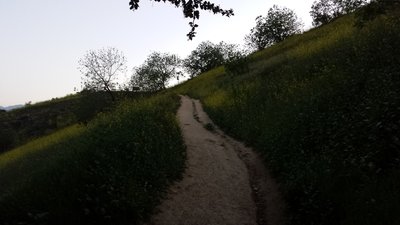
(224, 183)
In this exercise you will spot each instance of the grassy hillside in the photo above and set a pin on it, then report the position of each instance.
(22, 125)
(112, 171)
(323, 108)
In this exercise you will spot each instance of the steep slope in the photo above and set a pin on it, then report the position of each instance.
(112, 171)
(21, 125)
(323, 108)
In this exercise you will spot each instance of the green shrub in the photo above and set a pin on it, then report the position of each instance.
(7, 138)
(114, 171)
(238, 64)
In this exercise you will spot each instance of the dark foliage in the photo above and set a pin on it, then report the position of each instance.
(324, 11)
(191, 9)
(156, 72)
(374, 9)
(32, 121)
(112, 172)
(276, 26)
(237, 64)
(208, 56)
(8, 137)
(24, 124)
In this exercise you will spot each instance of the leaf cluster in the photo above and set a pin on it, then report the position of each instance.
(324, 11)
(207, 56)
(277, 25)
(155, 73)
(373, 10)
(191, 9)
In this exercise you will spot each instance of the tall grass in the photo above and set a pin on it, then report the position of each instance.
(114, 171)
(17, 127)
(324, 110)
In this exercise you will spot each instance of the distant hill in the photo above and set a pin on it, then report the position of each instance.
(8, 108)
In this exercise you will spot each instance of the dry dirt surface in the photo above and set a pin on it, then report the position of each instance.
(225, 183)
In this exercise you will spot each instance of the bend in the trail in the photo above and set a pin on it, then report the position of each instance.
(225, 183)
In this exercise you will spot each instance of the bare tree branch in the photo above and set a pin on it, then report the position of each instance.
(191, 9)
(101, 68)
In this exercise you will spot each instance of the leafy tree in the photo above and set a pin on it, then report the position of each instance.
(207, 56)
(191, 9)
(324, 11)
(374, 9)
(276, 26)
(155, 73)
(101, 68)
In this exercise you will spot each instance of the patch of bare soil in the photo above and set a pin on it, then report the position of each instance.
(225, 183)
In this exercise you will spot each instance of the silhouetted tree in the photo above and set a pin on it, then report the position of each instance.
(100, 69)
(324, 11)
(191, 9)
(276, 26)
(207, 56)
(155, 73)
(374, 9)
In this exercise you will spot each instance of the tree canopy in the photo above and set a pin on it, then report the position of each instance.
(324, 11)
(191, 9)
(155, 73)
(207, 56)
(277, 25)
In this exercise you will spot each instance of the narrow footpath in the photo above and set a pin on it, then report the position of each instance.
(225, 183)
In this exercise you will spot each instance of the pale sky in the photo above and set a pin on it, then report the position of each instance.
(41, 41)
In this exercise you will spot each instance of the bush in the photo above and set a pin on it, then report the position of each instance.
(237, 64)
(114, 171)
(8, 138)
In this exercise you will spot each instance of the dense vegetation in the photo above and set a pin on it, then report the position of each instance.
(324, 110)
(279, 24)
(112, 171)
(19, 126)
(156, 72)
